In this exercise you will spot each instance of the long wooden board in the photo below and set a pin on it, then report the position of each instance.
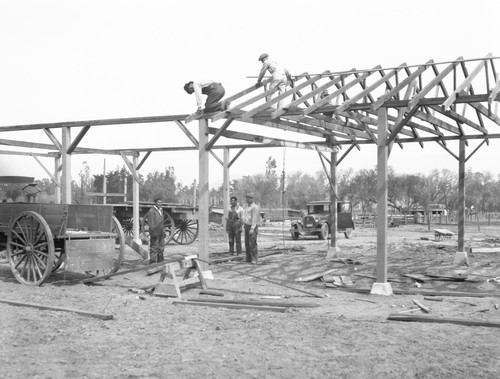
(50, 308)
(232, 306)
(460, 321)
(256, 302)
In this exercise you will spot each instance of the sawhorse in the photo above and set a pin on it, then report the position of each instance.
(170, 285)
(442, 234)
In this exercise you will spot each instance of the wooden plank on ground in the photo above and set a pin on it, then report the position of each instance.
(421, 306)
(418, 278)
(310, 278)
(421, 318)
(211, 293)
(485, 249)
(232, 306)
(258, 302)
(135, 269)
(50, 308)
(423, 292)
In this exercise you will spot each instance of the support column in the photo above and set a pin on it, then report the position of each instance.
(66, 166)
(57, 179)
(225, 190)
(461, 255)
(104, 184)
(333, 249)
(381, 286)
(135, 200)
(203, 194)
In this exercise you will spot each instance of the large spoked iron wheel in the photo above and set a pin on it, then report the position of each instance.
(186, 232)
(128, 227)
(169, 225)
(30, 248)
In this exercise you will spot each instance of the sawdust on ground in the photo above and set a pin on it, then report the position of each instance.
(341, 334)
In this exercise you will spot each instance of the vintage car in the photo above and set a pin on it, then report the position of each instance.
(315, 222)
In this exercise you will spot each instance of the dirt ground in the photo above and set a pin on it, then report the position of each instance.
(341, 334)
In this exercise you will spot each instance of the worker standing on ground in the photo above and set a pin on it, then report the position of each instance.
(214, 92)
(280, 77)
(251, 219)
(154, 219)
(234, 224)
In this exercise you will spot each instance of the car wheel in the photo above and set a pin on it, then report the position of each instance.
(348, 233)
(323, 234)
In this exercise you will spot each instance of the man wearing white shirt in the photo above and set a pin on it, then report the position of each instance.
(280, 77)
(214, 92)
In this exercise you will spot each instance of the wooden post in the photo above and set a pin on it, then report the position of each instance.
(333, 250)
(381, 286)
(104, 184)
(461, 255)
(203, 194)
(194, 194)
(125, 182)
(461, 195)
(66, 166)
(225, 189)
(57, 178)
(135, 201)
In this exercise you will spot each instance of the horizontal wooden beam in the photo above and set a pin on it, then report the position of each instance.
(103, 122)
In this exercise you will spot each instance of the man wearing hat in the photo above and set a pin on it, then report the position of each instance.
(234, 225)
(322, 96)
(280, 76)
(155, 218)
(251, 221)
(214, 92)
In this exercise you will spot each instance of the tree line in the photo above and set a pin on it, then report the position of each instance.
(288, 190)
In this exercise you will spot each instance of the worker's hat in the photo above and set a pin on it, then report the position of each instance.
(263, 56)
(249, 195)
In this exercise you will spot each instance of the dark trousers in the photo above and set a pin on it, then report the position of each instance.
(156, 248)
(252, 253)
(214, 93)
(234, 235)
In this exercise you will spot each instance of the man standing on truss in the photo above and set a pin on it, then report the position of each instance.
(280, 77)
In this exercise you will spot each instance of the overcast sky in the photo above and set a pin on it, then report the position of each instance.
(67, 60)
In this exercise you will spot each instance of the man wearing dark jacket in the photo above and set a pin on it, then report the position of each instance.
(154, 219)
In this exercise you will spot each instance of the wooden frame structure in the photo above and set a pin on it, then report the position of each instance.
(434, 102)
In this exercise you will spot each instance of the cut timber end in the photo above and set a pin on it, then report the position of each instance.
(461, 258)
(381, 289)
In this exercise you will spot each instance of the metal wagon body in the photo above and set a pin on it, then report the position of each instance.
(181, 221)
(39, 238)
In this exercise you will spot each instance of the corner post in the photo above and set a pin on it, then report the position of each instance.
(461, 254)
(203, 194)
(381, 286)
(66, 166)
(225, 190)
